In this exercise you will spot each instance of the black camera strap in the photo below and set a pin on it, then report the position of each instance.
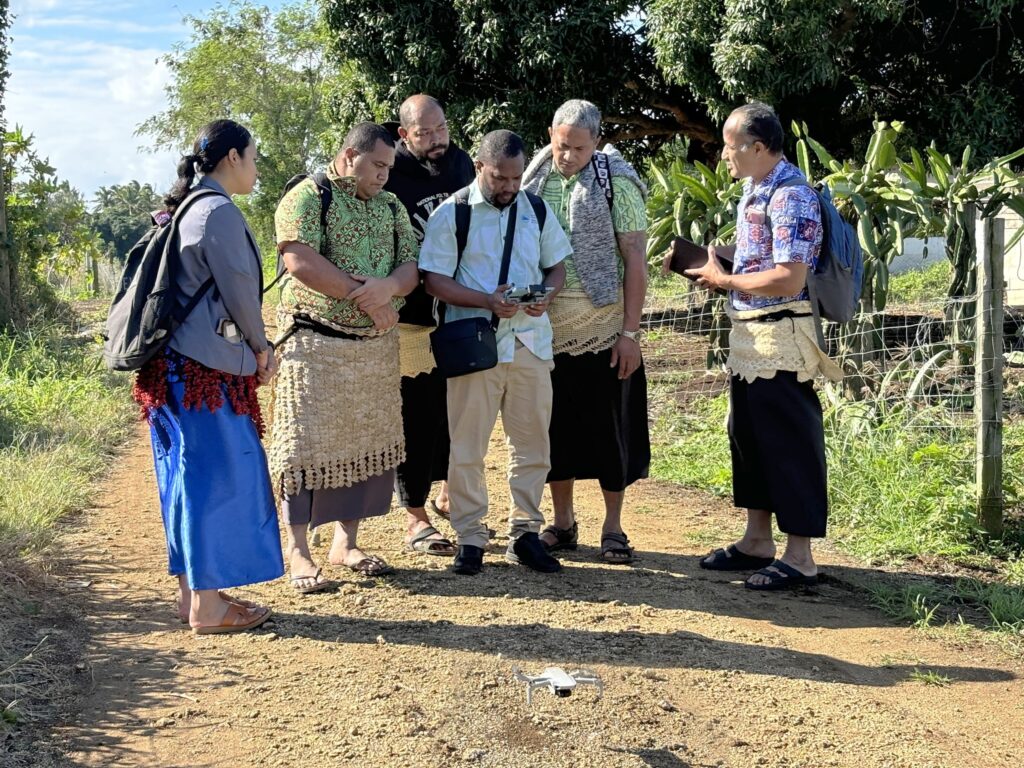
(463, 212)
(506, 256)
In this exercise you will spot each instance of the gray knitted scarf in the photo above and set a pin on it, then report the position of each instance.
(590, 222)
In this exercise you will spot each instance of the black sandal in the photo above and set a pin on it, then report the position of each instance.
(784, 576)
(616, 544)
(565, 538)
(422, 542)
(731, 559)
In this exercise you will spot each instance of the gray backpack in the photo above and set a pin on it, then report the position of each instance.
(147, 308)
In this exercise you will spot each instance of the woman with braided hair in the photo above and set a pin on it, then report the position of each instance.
(199, 394)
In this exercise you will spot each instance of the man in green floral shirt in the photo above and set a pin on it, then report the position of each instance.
(599, 408)
(337, 431)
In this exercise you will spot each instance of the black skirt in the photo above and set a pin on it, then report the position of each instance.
(778, 451)
(425, 423)
(599, 425)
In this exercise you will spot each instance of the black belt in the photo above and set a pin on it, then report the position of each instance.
(774, 317)
(308, 323)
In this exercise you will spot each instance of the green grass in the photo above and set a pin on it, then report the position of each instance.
(921, 286)
(916, 605)
(901, 486)
(61, 414)
(691, 447)
(930, 677)
(897, 489)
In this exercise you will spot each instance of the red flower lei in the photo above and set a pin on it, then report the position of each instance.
(203, 386)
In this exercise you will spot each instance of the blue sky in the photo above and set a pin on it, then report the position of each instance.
(85, 73)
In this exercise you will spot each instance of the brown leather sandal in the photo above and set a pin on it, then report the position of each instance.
(236, 619)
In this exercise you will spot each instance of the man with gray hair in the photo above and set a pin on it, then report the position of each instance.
(599, 412)
(511, 237)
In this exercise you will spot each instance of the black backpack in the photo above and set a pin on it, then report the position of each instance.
(147, 308)
(324, 189)
(464, 213)
(463, 216)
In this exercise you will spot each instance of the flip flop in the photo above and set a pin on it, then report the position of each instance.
(318, 585)
(236, 619)
(784, 577)
(422, 542)
(371, 565)
(731, 559)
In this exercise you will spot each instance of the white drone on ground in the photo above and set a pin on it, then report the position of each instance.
(560, 682)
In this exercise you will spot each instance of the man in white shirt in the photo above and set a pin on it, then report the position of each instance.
(519, 387)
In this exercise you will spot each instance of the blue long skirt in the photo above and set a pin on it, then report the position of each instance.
(215, 494)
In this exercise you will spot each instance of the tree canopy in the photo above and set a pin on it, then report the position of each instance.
(660, 68)
(509, 65)
(951, 72)
(273, 72)
(121, 215)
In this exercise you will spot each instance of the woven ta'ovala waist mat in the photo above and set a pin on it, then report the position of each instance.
(337, 412)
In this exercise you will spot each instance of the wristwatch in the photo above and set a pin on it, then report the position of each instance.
(633, 335)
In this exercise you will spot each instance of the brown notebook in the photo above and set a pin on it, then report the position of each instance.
(686, 255)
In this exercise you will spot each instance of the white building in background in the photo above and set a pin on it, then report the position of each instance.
(1013, 261)
(921, 254)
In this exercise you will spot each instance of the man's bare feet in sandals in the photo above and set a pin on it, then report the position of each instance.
(304, 575)
(345, 552)
(421, 536)
(356, 560)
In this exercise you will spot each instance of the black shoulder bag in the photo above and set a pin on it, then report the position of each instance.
(470, 345)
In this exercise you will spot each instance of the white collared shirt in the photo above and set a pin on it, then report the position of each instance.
(533, 252)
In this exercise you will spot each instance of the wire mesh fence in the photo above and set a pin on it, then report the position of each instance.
(909, 397)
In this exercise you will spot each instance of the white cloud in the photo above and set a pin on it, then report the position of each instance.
(23, 9)
(98, 24)
(83, 102)
(85, 74)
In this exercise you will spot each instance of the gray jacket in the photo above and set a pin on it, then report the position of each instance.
(215, 240)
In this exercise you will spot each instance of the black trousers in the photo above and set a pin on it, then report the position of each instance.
(778, 451)
(425, 423)
(598, 422)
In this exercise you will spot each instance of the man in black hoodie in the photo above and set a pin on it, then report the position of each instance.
(428, 169)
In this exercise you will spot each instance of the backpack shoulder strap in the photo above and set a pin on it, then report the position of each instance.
(463, 214)
(394, 225)
(323, 187)
(793, 181)
(603, 174)
(197, 193)
(324, 190)
(180, 313)
(540, 210)
(812, 294)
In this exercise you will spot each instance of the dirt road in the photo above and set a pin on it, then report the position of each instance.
(414, 669)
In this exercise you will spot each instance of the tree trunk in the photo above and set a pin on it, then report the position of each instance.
(6, 262)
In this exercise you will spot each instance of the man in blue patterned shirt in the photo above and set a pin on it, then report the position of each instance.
(775, 423)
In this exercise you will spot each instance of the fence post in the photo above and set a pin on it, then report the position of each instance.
(988, 374)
